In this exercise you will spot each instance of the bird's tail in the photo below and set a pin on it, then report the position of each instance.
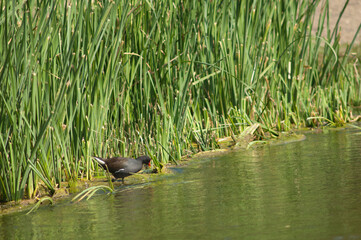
(100, 160)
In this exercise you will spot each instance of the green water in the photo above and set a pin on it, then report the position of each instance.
(302, 190)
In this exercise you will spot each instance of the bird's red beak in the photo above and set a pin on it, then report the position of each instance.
(149, 164)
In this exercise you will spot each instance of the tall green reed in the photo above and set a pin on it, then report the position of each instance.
(139, 77)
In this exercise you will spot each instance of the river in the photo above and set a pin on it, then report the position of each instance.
(302, 190)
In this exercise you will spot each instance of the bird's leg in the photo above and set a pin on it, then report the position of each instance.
(123, 181)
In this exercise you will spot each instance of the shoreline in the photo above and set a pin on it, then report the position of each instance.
(228, 145)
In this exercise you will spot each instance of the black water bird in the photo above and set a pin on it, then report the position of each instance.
(122, 167)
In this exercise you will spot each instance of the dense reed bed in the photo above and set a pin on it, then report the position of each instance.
(83, 78)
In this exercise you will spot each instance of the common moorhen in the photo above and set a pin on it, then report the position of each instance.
(122, 167)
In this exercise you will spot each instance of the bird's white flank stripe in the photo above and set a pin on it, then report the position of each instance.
(120, 170)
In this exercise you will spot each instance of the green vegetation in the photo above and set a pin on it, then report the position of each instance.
(83, 78)
(89, 192)
(37, 205)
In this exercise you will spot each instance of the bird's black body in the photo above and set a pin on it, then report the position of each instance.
(122, 167)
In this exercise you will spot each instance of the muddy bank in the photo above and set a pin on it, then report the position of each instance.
(349, 22)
